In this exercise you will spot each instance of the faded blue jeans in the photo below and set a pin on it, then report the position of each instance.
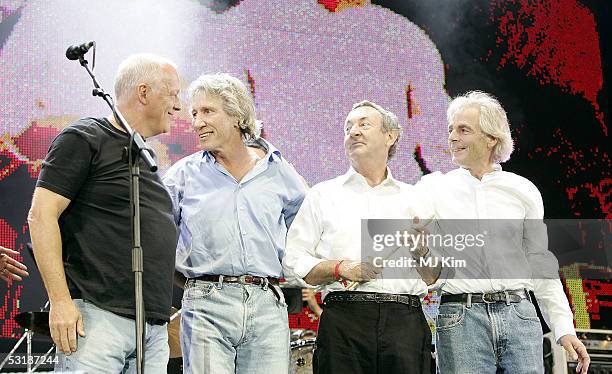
(234, 328)
(109, 345)
(486, 338)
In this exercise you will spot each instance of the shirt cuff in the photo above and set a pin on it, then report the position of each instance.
(563, 329)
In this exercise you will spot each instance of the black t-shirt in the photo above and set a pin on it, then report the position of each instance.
(85, 165)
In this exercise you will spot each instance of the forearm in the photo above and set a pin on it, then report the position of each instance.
(424, 258)
(315, 307)
(322, 273)
(47, 245)
(429, 274)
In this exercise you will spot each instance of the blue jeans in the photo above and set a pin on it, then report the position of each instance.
(234, 328)
(109, 345)
(489, 337)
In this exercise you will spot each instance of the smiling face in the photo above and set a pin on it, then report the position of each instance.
(364, 136)
(469, 146)
(163, 101)
(216, 129)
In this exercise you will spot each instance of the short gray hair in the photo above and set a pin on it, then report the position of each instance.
(236, 98)
(139, 68)
(389, 122)
(493, 120)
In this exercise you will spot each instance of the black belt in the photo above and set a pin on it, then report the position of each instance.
(372, 297)
(155, 321)
(513, 296)
(242, 279)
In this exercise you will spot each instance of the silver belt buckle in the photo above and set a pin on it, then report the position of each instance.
(484, 299)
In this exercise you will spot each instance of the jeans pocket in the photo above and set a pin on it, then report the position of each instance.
(525, 311)
(198, 290)
(449, 316)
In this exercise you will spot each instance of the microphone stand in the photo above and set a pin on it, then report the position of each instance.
(137, 149)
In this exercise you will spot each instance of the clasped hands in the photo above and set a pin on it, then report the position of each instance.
(361, 272)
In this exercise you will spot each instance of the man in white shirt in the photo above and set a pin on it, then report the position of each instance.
(490, 324)
(378, 327)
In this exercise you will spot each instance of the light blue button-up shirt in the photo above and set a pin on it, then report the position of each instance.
(229, 227)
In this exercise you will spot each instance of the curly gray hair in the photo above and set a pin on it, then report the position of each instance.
(237, 101)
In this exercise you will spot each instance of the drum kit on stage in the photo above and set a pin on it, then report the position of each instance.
(32, 322)
(302, 350)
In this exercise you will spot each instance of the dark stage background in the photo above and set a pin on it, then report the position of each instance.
(306, 62)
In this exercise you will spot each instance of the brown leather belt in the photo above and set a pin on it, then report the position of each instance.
(242, 279)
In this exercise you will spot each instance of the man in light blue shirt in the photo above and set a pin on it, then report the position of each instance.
(233, 204)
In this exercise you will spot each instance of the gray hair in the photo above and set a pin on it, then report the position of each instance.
(137, 69)
(493, 120)
(236, 98)
(389, 122)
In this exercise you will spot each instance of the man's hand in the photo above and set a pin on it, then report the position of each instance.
(11, 269)
(65, 321)
(358, 271)
(309, 296)
(418, 233)
(577, 351)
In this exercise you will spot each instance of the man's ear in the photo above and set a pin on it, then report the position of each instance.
(491, 141)
(143, 92)
(392, 137)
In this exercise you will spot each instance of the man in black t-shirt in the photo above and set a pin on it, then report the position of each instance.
(80, 229)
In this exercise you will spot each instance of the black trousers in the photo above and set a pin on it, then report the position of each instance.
(367, 337)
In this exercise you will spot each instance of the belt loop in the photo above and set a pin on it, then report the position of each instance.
(527, 295)
(265, 283)
(507, 298)
(220, 282)
(468, 303)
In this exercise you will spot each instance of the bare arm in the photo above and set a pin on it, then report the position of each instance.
(422, 253)
(310, 297)
(325, 272)
(64, 317)
(322, 273)
(429, 274)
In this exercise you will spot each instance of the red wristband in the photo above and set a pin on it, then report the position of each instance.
(337, 271)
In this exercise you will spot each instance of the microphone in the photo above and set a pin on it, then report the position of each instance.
(75, 52)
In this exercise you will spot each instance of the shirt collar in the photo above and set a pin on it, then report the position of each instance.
(496, 168)
(272, 153)
(352, 176)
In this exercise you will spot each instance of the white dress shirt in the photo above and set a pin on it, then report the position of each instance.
(328, 227)
(499, 195)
